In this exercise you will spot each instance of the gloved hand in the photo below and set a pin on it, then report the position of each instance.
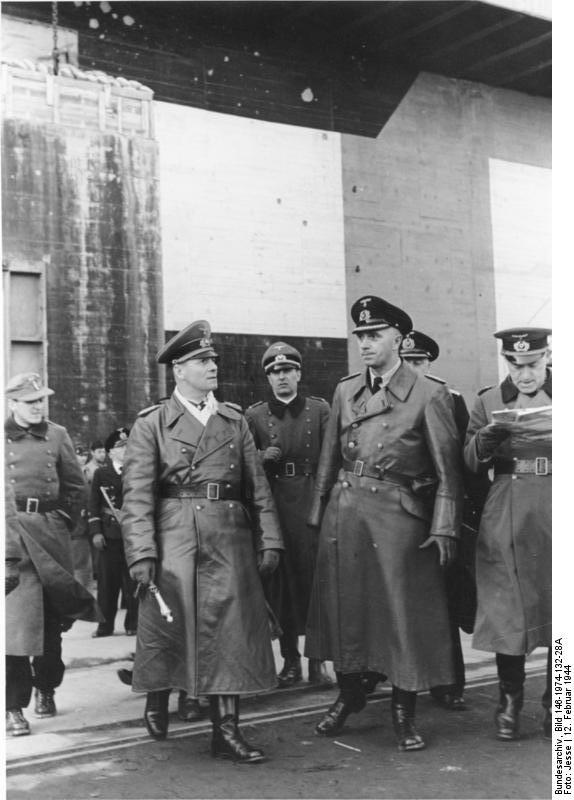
(446, 548)
(143, 571)
(267, 562)
(11, 576)
(99, 541)
(271, 454)
(488, 439)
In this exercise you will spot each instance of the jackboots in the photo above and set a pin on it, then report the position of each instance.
(508, 710)
(351, 699)
(403, 706)
(227, 740)
(156, 713)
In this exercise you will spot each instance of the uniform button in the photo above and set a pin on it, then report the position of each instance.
(345, 484)
(199, 508)
(11, 466)
(385, 424)
(269, 424)
(308, 419)
(49, 465)
(9, 441)
(379, 445)
(12, 480)
(231, 505)
(355, 425)
(273, 436)
(194, 466)
(228, 486)
(309, 432)
(374, 489)
(184, 449)
(231, 446)
(307, 445)
(351, 445)
(232, 466)
(514, 477)
(10, 454)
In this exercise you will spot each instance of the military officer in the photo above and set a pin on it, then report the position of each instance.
(419, 351)
(288, 430)
(106, 536)
(199, 520)
(514, 549)
(389, 482)
(47, 484)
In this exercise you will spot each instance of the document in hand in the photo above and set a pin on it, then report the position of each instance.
(527, 425)
(540, 414)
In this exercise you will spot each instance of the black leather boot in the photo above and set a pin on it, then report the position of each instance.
(403, 706)
(508, 710)
(188, 708)
(351, 699)
(291, 673)
(156, 713)
(227, 740)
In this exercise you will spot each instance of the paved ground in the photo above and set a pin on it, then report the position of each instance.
(97, 746)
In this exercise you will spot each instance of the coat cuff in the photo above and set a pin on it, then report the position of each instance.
(446, 520)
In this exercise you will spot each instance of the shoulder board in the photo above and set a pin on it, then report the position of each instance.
(320, 399)
(254, 405)
(435, 379)
(148, 410)
(348, 377)
(486, 388)
(455, 393)
(234, 406)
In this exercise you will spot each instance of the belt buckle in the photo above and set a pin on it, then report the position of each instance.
(213, 491)
(541, 465)
(358, 468)
(290, 469)
(32, 505)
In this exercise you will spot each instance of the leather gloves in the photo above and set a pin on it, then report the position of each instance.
(271, 454)
(11, 576)
(267, 562)
(488, 439)
(143, 571)
(446, 547)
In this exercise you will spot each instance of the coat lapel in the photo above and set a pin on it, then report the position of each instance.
(216, 433)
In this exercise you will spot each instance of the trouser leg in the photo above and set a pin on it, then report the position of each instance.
(109, 583)
(511, 676)
(128, 590)
(49, 667)
(18, 682)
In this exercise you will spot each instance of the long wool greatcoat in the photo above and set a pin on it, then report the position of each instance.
(514, 549)
(379, 601)
(219, 641)
(41, 463)
(298, 430)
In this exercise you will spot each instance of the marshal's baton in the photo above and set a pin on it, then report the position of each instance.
(165, 610)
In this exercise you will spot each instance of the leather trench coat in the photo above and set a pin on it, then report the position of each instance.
(298, 430)
(514, 546)
(40, 463)
(220, 639)
(378, 601)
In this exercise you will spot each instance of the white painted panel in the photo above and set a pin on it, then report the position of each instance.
(252, 224)
(23, 39)
(520, 197)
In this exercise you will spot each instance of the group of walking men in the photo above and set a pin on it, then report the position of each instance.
(342, 521)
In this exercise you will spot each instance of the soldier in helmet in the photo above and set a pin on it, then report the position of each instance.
(514, 548)
(288, 431)
(199, 521)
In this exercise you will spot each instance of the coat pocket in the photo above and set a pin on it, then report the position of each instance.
(415, 505)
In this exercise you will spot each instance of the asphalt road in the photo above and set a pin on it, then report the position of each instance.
(462, 760)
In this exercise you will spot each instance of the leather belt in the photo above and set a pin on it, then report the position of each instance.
(33, 505)
(362, 470)
(288, 469)
(523, 466)
(213, 490)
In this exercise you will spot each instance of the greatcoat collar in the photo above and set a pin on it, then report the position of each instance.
(14, 431)
(509, 390)
(399, 386)
(204, 440)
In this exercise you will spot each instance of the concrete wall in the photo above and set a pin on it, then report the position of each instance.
(419, 217)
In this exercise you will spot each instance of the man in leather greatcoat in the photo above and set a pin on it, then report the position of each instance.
(389, 482)
(288, 429)
(47, 493)
(514, 549)
(198, 518)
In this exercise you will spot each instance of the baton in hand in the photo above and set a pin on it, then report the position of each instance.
(163, 606)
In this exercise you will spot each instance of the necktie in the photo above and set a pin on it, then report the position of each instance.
(199, 406)
(377, 383)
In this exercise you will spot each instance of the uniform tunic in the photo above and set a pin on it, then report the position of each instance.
(378, 601)
(220, 640)
(41, 463)
(298, 431)
(514, 549)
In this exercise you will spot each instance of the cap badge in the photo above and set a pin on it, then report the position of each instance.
(521, 346)
(365, 301)
(36, 384)
(205, 342)
(408, 343)
(365, 315)
(280, 357)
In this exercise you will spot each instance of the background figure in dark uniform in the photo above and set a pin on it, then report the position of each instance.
(198, 518)
(47, 485)
(389, 481)
(419, 351)
(514, 549)
(288, 430)
(112, 570)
